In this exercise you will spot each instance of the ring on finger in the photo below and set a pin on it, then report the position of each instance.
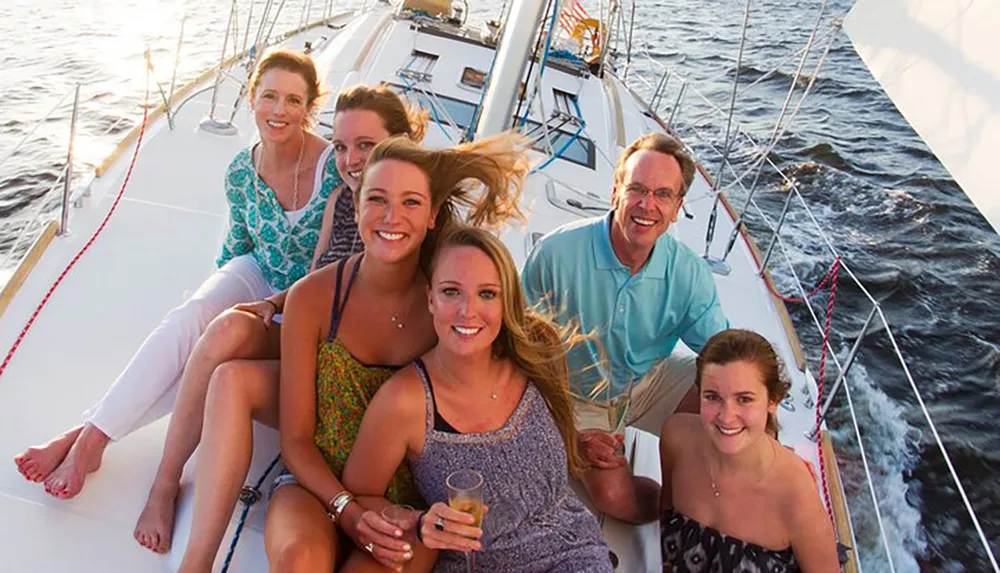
(370, 547)
(439, 523)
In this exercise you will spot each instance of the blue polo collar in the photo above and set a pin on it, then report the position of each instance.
(655, 267)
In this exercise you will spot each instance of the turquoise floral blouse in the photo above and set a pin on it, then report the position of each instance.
(258, 224)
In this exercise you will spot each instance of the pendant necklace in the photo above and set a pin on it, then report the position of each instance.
(437, 358)
(711, 470)
(396, 318)
(399, 324)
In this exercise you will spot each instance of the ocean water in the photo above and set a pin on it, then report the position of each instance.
(902, 224)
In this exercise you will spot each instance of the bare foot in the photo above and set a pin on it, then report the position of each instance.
(37, 462)
(83, 458)
(155, 527)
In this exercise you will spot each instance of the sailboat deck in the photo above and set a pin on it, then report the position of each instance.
(160, 245)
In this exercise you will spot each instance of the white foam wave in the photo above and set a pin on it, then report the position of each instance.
(891, 456)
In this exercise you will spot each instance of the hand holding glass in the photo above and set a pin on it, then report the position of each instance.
(405, 518)
(465, 494)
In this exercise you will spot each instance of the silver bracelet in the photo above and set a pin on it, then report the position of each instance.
(338, 504)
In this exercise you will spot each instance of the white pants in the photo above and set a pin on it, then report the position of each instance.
(654, 398)
(146, 390)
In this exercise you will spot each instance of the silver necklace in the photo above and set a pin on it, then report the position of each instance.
(396, 321)
(399, 323)
(437, 358)
(711, 471)
(295, 176)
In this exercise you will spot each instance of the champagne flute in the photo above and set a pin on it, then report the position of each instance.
(465, 494)
(405, 518)
(617, 409)
(612, 403)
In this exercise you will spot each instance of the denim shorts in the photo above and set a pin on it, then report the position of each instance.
(284, 478)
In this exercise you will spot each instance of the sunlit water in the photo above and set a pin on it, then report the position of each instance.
(899, 219)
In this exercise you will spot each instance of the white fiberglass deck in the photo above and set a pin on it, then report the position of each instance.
(160, 245)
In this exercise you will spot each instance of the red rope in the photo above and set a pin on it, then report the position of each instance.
(830, 274)
(72, 263)
(834, 271)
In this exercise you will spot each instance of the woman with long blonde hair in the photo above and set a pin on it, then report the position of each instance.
(492, 396)
(346, 329)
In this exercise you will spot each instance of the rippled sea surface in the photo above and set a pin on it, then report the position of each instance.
(902, 224)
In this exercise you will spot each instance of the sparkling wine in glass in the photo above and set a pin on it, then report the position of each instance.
(617, 408)
(465, 494)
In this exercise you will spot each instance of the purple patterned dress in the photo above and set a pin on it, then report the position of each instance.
(536, 523)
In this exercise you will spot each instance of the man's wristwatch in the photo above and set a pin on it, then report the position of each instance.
(337, 505)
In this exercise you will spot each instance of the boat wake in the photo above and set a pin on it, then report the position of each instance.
(893, 452)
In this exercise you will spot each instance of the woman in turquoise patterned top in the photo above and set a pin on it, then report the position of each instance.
(281, 240)
(277, 192)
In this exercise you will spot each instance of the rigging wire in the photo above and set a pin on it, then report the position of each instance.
(111, 211)
(710, 234)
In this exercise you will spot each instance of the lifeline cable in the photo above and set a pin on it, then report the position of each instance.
(87, 245)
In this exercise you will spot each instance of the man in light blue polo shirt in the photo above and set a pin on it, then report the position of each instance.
(623, 279)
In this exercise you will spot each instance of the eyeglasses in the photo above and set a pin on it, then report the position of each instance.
(638, 190)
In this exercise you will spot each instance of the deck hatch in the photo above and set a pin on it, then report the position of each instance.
(418, 69)
(440, 107)
(575, 148)
(473, 78)
(566, 103)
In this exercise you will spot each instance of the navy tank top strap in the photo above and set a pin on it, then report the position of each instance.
(434, 418)
(428, 393)
(338, 306)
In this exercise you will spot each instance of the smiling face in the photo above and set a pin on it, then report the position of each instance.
(355, 133)
(280, 105)
(466, 301)
(394, 210)
(734, 405)
(647, 199)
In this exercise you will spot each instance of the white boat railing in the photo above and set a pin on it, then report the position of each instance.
(651, 81)
(23, 228)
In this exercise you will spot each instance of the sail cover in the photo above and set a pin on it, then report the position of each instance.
(939, 61)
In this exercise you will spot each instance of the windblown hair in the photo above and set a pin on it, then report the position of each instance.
(295, 62)
(662, 143)
(498, 164)
(737, 345)
(398, 118)
(529, 339)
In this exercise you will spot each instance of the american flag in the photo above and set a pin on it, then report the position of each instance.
(571, 15)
